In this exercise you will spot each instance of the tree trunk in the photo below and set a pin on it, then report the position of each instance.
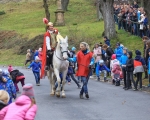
(142, 3)
(47, 13)
(146, 8)
(99, 14)
(108, 15)
(64, 4)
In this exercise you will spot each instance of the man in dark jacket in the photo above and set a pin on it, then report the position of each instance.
(129, 69)
(107, 41)
(109, 53)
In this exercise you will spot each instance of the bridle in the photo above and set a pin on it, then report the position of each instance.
(62, 52)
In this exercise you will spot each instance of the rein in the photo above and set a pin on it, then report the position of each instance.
(61, 53)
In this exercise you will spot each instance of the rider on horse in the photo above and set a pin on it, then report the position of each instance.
(49, 45)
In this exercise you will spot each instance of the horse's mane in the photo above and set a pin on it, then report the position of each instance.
(58, 37)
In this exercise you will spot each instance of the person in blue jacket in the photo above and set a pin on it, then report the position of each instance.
(123, 61)
(107, 41)
(7, 84)
(101, 68)
(36, 66)
(118, 51)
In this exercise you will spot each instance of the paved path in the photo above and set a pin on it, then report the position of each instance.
(107, 102)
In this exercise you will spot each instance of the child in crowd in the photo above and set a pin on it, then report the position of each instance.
(24, 108)
(138, 68)
(116, 71)
(129, 70)
(101, 68)
(28, 57)
(4, 99)
(36, 66)
(40, 54)
(118, 51)
(113, 61)
(16, 77)
(123, 61)
(71, 74)
(7, 84)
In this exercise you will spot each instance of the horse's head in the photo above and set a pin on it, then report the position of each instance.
(64, 47)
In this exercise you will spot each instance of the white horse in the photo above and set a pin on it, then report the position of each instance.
(60, 65)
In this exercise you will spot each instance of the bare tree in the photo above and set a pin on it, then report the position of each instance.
(99, 12)
(65, 4)
(47, 13)
(108, 16)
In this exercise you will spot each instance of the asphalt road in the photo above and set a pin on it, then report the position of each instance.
(107, 102)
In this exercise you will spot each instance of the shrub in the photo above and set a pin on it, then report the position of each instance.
(2, 12)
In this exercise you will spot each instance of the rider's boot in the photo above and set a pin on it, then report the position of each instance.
(46, 68)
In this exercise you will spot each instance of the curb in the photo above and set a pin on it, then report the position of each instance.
(144, 88)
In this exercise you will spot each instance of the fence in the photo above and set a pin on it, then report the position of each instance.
(132, 27)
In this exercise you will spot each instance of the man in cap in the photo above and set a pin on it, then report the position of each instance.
(49, 45)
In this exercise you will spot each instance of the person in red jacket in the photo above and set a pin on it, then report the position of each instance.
(49, 45)
(85, 60)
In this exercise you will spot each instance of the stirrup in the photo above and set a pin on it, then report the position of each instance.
(46, 68)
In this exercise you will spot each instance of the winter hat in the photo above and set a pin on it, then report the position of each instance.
(113, 56)
(37, 58)
(10, 68)
(137, 52)
(5, 73)
(28, 90)
(4, 96)
(101, 62)
(73, 49)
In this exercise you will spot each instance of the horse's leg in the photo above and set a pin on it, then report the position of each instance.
(49, 75)
(51, 82)
(58, 82)
(63, 83)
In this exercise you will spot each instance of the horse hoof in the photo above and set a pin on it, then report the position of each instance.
(63, 96)
(58, 96)
(52, 94)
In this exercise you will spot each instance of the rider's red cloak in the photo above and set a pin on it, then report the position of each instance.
(47, 34)
(44, 55)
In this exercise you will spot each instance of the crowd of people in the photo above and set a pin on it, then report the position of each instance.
(121, 64)
(24, 107)
(132, 18)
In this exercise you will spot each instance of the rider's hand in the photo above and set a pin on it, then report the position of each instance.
(49, 52)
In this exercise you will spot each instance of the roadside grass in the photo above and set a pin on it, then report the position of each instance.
(9, 58)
